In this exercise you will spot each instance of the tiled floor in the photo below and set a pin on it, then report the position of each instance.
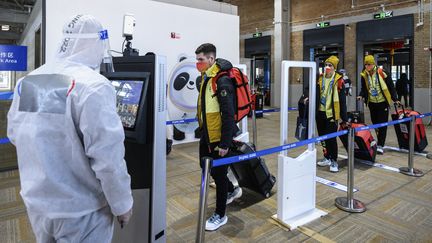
(399, 207)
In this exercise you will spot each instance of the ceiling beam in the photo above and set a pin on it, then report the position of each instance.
(13, 17)
(5, 35)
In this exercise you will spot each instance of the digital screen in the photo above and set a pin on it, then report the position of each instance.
(128, 98)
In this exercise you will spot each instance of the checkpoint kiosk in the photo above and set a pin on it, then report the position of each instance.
(140, 83)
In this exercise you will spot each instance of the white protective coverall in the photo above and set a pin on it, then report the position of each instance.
(69, 141)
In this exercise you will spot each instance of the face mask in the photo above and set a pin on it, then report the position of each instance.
(201, 66)
(328, 70)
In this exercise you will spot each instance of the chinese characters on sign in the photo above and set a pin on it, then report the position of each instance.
(13, 58)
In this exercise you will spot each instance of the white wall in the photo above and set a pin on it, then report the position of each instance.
(205, 5)
(154, 23)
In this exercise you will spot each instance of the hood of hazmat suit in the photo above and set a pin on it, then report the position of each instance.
(66, 130)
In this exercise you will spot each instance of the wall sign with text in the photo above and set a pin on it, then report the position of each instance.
(13, 58)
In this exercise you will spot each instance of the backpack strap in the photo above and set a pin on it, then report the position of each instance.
(340, 84)
(216, 78)
(381, 73)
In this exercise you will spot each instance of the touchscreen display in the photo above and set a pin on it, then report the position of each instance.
(128, 99)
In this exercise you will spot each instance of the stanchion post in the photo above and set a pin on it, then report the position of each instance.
(207, 164)
(349, 204)
(410, 170)
(254, 129)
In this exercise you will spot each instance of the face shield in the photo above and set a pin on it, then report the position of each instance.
(86, 42)
(102, 38)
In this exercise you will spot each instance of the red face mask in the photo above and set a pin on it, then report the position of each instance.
(327, 70)
(201, 66)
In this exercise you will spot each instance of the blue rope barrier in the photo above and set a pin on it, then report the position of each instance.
(173, 122)
(235, 159)
(6, 95)
(239, 158)
(384, 124)
(424, 115)
(4, 140)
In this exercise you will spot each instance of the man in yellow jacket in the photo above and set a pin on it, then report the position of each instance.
(216, 110)
(377, 91)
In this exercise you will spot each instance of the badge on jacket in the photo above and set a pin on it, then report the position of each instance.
(223, 93)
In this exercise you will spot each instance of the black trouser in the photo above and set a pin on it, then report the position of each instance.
(400, 96)
(379, 113)
(219, 174)
(326, 126)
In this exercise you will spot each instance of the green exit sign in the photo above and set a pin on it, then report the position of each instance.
(383, 15)
(257, 34)
(323, 24)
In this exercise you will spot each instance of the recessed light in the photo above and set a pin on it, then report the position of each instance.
(5, 27)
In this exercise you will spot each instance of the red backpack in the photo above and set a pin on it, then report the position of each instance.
(243, 93)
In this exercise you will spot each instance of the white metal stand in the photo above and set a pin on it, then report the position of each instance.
(297, 176)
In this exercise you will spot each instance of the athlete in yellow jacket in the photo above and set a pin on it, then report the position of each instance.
(378, 92)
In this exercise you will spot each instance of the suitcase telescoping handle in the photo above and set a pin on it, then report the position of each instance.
(360, 105)
(400, 105)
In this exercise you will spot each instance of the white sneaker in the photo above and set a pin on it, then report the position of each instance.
(380, 150)
(334, 167)
(324, 162)
(214, 222)
(237, 193)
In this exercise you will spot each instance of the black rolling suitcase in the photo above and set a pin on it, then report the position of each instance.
(301, 132)
(252, 174)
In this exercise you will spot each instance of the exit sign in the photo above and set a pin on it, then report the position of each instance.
(257, 34)
(383, 15)
(323, 24)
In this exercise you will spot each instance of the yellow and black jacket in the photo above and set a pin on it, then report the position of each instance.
(216, 110)
(385, 84)
(338, 99)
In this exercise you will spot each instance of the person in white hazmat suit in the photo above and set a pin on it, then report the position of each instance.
(69, 141)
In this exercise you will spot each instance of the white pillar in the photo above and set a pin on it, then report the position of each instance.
(281, 41)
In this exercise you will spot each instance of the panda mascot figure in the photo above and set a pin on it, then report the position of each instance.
(183, 90)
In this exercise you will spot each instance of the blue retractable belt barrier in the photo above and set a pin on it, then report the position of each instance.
(181, 121)
(424, 115)
(173, 122)
(274, 110)
(4, 140)
(6, 95)
(384, 124)
(234, 159)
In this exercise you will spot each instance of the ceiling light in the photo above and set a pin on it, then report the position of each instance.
(5, 27)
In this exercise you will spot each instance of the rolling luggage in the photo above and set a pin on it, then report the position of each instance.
(365, 146)
(252, 174)
(301, 132)
(402, 130)
(357, 116)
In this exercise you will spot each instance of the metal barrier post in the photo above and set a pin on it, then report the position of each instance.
(410, 170)
(349, 204)
(254, 129)
(203, 199)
